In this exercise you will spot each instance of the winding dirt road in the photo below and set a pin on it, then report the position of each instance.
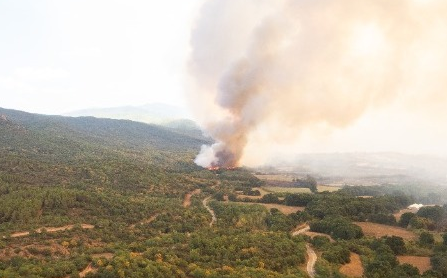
(312, 256)
(210, 210)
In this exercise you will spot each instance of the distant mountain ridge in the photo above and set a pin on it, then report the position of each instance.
(155, 113)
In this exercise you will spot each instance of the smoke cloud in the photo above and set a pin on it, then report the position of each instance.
(267, 70)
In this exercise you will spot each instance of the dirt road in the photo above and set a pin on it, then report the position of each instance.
(146, 221)
(312, 256)
(311, 261)
(52, 230)
(187, 200)
(301, 231)
(210, 210)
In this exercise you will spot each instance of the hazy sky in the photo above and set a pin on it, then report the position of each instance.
(58, 56)
(341, 75)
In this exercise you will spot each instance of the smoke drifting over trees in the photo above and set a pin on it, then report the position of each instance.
(272, 69)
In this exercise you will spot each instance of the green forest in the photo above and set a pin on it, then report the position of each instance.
(88, 197)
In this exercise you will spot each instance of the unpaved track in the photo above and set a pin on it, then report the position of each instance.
(311, 261)
(301, 231)
(210, 210)
(52, 230)
(146, 221)
(312, 256)
(187, 200)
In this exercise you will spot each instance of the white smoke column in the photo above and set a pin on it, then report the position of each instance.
(262, 66)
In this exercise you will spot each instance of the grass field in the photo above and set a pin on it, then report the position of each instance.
(380, 230)
(281, 183)
(278, 177)
(282, 208)
(275, 189)
(354, 268)
(422, 263)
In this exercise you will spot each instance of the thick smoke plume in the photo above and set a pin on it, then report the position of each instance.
(271, 69)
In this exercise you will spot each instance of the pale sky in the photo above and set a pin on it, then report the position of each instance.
(59, 56)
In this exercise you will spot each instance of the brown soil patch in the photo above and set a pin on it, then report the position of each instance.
(187, 199)
(87, 270)
(422, 263)
(380, 230)
(354, 268)
(145, 221)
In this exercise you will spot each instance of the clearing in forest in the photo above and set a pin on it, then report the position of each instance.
(422, 263)
(187, 200)
(380, 230)
(354, 268)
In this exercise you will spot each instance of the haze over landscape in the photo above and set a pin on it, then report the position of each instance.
(290, 78)
(223, 139)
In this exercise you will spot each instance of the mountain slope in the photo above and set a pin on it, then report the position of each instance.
(53, 149)
(157, 113)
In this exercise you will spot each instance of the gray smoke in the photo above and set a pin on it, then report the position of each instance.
(262, 66)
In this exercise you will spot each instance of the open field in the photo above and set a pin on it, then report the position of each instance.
(422, 263)
(261, 190)
(380, 230)
(276, 189)
(322, 188)
(282, 208)
(278, 177)
(354, 268)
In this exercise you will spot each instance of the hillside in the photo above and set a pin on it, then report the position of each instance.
(88, 197)
(155, 113)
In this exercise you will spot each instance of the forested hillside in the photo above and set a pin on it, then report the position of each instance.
(87, 197)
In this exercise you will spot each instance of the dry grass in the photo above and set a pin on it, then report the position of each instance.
(261, 190)
(322, 188)
(284, 209)
(276, 189)
(380, 230)
(278, 177)
(354, 268)
(422, 263)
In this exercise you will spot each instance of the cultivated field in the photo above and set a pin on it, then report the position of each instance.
(354, 268)
(422, 263)
(380, 230)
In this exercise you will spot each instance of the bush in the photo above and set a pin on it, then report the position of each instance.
(426, 239)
